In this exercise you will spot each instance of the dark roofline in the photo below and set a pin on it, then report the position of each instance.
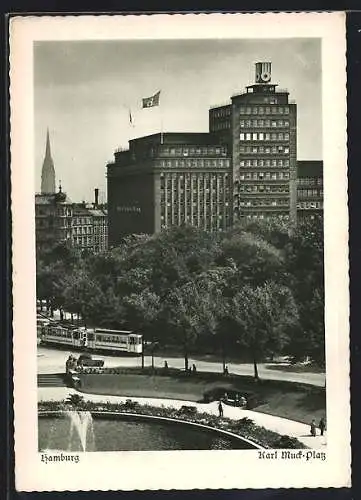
(168, 137)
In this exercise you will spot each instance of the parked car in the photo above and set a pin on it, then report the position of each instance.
(231, 397)
(86, 360)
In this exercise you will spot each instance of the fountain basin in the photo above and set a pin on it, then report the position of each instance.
(116, 431)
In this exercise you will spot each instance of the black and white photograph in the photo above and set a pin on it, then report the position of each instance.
(182, 294)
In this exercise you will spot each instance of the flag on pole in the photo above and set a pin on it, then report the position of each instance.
(150, 102)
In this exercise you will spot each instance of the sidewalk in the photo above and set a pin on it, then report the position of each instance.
(277, 424)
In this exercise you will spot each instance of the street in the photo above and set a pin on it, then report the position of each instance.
(52, 360)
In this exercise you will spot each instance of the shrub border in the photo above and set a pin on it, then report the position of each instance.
(256, 435)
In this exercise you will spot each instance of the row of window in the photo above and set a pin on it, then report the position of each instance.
(195, 163)
(310, 181)
(308, 193)
(195, 203)
(193, 182)
(206, 223)
(209, 215)
(47, 211)
(264, 150)
(264, 136)
(81, 221)
(307, 205)
(224, 125)
(177, 194)
(260, 176)
(264, 123)
(203, 225)
(260, 188)
(82, 230)
(64, 212)
(264, 110)
(264, 163)
(82, 241)
(221, 112)
(193, 151)
(188, 177)
(264, 202)
(264, 216)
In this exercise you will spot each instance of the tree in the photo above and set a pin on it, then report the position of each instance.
(54, 263)
(215, 291)
(264, 315)
(304, 261)
(184, 305)
(256, 259)
(142, 310)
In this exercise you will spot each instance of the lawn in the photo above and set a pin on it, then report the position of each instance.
(283, 399)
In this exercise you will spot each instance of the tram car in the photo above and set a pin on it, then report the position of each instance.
(98, 339)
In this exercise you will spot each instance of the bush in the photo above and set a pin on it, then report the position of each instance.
(244, 427)
(286, 442)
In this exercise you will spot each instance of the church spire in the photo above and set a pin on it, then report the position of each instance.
(48, 171)
(47, 150)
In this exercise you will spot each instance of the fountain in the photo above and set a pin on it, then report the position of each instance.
(81, 429)
(74, 428)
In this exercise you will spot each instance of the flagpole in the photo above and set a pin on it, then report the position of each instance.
(161, 128)
(161, 124)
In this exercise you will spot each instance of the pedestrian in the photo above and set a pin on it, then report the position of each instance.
(322, 426)
(220, 409)
(194, 368)
(313, 428)
(226, 370)
(166, 365)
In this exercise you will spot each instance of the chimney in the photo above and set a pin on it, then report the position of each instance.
(96, 197)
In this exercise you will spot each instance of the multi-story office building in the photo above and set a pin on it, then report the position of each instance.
(260, 127)
(245, 167)
(169, 179)
(309, 189)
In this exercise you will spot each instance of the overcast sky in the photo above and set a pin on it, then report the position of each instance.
(83, 91)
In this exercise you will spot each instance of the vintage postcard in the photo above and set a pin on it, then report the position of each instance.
(180, 251)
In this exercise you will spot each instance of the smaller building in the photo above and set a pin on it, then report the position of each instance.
(90, 226)
(82, 228)
(53, 218)
(309, 189)
(100, 228)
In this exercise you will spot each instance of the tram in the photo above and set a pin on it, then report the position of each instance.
(97, 339)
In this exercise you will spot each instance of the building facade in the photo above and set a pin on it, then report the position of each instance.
(244, 168)
(309, 189)
(53, 218)
(90, 228)
(169, 179)
(58, 219)
(260, 127)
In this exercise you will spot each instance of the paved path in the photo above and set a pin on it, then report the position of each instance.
(52, 360)
(277, 424)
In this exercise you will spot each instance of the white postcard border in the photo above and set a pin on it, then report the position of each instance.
(183, 469)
